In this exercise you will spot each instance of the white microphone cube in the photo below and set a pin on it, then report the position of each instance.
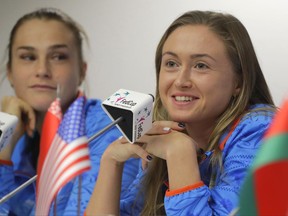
(8, 124)
(136, 109)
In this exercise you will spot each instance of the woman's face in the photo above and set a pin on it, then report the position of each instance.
(44, 55)
(196, 79)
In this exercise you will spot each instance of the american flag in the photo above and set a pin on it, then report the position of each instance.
(66, 157)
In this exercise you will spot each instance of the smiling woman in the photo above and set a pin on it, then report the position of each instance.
(209, 82)
(193, 70)
(44, 52)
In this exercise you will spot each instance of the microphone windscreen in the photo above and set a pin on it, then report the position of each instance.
(135, 108)
(8, 124)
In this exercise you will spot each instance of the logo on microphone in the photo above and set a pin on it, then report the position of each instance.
(121, 100)
(141, 118)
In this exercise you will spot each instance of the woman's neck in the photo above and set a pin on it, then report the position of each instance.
(39, 121)
(200, 133)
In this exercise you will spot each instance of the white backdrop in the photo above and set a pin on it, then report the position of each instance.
(124, 34)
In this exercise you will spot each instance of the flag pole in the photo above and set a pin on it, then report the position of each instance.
(106, 128)
(21, 187)
(31, 180)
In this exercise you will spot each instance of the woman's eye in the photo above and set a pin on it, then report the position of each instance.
(171, 64)
(59, 57)
(201, 66)
(28, 57)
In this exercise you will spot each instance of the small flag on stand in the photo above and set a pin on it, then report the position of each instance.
(50, 126)
(265, 190)
(66, 157)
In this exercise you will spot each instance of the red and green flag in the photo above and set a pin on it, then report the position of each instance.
(265, 191)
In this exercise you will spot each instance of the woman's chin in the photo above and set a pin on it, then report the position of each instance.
(179, 119)
(41, 107)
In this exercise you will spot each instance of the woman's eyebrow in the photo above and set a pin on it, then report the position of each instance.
(169, 53)
(29, 48)
(201, 55)
(193, 56)
(58, 46)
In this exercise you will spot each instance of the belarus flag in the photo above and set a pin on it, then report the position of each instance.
(265, 191)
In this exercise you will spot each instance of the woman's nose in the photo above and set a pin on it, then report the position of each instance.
(183, 79)
(42, 68)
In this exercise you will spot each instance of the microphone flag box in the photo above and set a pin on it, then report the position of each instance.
(135, 108)
(8, 123)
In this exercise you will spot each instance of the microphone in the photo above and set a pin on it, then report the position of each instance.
(8, 124)
(132, 111)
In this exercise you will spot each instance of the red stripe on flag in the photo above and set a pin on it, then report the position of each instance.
(271, 188)
(71, 166)
(71, 173)
(55, 168)
(61, 181)
(71, 151)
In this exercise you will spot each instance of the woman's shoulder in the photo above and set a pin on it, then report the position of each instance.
(96, 117)
(258, 114)
(254, 123)
(251, 129)
(94, 108)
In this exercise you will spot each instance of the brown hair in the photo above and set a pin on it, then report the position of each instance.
(254, 90)
(49, 14)
(79, 35)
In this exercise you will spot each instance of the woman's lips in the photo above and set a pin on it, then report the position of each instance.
(184, 98)
(43, 87)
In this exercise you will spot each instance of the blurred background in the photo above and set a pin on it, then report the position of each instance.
(123, 35)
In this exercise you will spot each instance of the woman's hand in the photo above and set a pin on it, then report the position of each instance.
(174, 143)
(121, 150)
(180, 152)
(26, 121)
(161, 144)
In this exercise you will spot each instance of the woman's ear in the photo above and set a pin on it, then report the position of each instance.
(9, 76)
(236, 91)
(237, 88)
(83, 72)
